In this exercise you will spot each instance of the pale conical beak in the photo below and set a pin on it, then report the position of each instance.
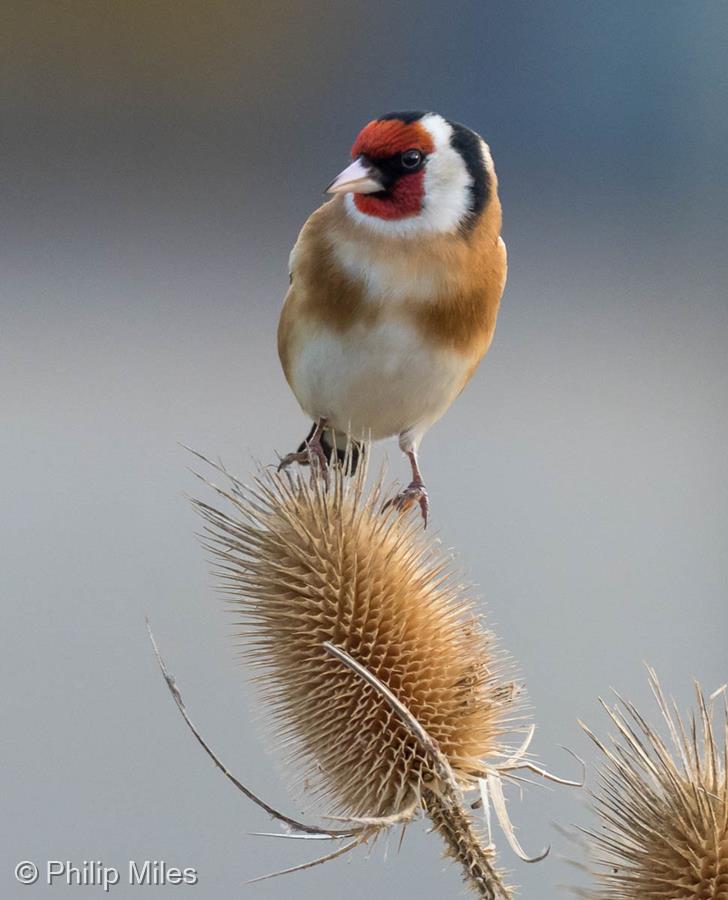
(358, 178)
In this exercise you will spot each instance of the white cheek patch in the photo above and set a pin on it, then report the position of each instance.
(447, 180)
(447, 190)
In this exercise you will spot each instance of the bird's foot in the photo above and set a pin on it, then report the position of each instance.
(415, 492)
(313, 454)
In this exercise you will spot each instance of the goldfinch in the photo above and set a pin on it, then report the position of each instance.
(395, 284)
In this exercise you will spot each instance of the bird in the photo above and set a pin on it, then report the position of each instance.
(395, 286)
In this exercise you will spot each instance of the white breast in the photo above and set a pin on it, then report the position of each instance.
(387, 279)
(377, 380)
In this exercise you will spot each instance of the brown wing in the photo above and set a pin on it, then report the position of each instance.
(285, 330)
(320, 291)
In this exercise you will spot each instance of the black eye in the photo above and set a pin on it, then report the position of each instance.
(411, 159)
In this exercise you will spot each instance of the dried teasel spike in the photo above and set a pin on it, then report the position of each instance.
(293, 837)
(305, 830)
(312, 570)
(662, 804)
(484, 802)
(545, 774)
(495, 789)
(516, 763)
(403, 817)
(335, 854)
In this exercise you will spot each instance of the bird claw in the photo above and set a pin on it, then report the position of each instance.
(302, 457)
(313, 455)
(415, 492)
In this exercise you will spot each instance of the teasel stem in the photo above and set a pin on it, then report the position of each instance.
(447, 813)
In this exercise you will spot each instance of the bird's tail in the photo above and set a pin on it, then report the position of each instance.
(332, 446)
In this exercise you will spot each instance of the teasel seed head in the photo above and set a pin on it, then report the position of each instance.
(304, 566)
(663, 804)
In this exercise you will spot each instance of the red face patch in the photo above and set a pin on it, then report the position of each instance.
(404, 199)
(383, 140)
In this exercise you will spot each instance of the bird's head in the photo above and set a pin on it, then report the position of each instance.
(415, 172)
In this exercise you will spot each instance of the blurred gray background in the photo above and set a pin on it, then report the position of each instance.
(158, 159)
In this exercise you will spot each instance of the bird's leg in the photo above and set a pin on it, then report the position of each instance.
(414, 492)
(312, 451)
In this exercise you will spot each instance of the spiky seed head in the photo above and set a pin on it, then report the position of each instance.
(663, 805)
(303, 565)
